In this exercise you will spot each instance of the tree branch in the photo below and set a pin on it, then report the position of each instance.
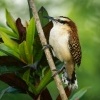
(47, 52)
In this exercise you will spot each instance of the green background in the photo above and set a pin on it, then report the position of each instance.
(86, 15)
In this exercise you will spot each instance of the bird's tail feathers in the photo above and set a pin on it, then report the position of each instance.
(72, 83)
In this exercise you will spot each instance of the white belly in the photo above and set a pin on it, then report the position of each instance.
(59, 41)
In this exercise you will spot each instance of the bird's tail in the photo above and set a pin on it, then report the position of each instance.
(72, 83)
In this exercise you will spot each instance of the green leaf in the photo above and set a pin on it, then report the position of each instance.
(42, 13)
(22, 52)
(9, 42)
(1, 51)
(25, 53)
(3, 92)
(11, 22)
(30, 38)
(9, 68)
(26, 76)
(30, 33)
(79, 94)
(32, 88)
(46, 79)
(12, 90)
(28, 54)
(5, 50)
(10, 33)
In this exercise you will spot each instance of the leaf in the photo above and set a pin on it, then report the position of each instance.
(29, 55)
(9, 90)
(26, 76)
(42, 13)
(10, 67)
(45, 94)
(11, 22)
(30, 38)
(10, 33)
(12, 90)
(25, 53)
(5, 50)
(31, 87)
(9, 42)
(79, 94)
(30, 33)
(3, 92)
(21, 30)
(46, 79)
(22, 52)
(10, 62)
(2, 53)
(13, 80)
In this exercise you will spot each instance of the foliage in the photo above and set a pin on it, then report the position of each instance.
(19, 45)
(20, 52)
(79, 94)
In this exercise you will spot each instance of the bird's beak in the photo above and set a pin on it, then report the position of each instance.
(49, 17)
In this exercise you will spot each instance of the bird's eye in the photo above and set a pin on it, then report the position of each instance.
(61, 21)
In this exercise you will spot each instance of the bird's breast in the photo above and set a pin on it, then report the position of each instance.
(59, 41)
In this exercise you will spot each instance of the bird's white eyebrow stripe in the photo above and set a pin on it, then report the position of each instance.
(64, 18)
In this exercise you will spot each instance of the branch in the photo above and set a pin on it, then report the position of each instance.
(47, 52)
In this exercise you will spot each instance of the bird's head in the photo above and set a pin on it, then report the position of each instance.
(62, 21)
(59, 20)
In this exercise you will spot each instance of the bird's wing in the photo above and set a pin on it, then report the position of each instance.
(75, 48)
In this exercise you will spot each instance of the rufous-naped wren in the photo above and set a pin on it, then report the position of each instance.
(63, 39)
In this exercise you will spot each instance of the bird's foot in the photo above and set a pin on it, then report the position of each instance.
(58, 71)
(46, 46)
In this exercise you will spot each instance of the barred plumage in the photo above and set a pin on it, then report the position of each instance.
(66, 47)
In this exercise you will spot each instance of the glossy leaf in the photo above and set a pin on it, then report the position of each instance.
(3, 92)
(32, 88)
(30, 38)
(1, 50)
(22, 52)
(21, 30)
(42, 13)
(12, 90)
(9, 68)
(9, 42)
(46, 79)
(25, 53)
(11, 22)
(26, 76)
(5, 50)
(30, 33)
(79, 94)
(8, 32)
(13, 80)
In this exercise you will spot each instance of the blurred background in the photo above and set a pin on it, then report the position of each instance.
(86, 15)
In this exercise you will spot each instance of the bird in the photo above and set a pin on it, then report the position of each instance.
(64, 40)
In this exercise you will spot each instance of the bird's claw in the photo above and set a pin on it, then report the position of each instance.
(57, 71)
(46, 46)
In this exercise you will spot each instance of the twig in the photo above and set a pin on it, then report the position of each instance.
(47, 52)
